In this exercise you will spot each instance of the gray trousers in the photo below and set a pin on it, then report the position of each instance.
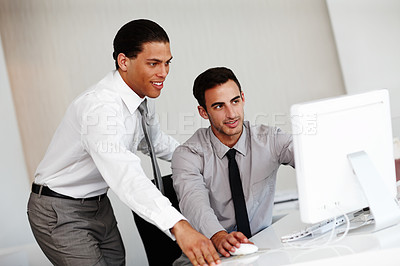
(74, 232)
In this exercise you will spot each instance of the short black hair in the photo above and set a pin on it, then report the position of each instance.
(130, 38)
(209, 79)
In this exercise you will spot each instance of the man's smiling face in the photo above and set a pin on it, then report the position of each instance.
(225, 110)
(146, 73)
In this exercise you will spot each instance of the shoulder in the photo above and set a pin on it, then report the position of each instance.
(103, 91)
(264, 133)
(197, 144)
(260, 130)
(100, 96)
(198, 141)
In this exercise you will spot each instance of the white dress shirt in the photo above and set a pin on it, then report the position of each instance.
(95, 148)
(201, 177)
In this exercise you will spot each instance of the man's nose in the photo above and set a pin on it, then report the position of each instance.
(163, 71)
(230, 112)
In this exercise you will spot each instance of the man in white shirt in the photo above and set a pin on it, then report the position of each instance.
(94, 148)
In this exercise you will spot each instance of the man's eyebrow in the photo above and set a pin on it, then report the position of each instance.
(158, 60)
(235, 98)
(222, 103)
(216, 103)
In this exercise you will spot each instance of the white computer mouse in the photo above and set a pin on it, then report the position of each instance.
(244, 249)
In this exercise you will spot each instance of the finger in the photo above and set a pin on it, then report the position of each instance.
(233, 241)
(209, 253)
(240, 237)
(209, 259)
(214, 255)
(199, 257)
(223, 251)
(192, 258)
(228, 247)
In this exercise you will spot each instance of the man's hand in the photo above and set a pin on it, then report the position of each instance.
(198, 248)
(225, 242)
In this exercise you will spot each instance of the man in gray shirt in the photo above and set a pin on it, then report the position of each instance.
(200, 165)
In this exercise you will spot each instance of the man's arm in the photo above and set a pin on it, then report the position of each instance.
(283, 145)
(103, 134)
(193, 194)
(194, 200)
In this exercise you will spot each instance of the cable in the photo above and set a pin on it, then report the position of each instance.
(311, 243)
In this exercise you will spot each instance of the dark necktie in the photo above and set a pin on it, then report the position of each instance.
(242, 218)
(156, 170)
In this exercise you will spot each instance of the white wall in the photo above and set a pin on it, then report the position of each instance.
(15, 234)
(367, 34)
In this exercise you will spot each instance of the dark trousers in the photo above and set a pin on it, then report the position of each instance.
(75, 232)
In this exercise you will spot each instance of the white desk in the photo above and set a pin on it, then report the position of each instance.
(381, 248)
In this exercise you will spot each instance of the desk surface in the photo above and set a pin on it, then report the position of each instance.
(377, 248)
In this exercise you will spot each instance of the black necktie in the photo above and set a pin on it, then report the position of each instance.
(156, 170)
(242, 219)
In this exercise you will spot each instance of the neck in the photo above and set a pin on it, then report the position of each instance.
(227, 140)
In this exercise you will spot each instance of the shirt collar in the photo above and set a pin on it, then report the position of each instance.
(221, 149)
(128, 96)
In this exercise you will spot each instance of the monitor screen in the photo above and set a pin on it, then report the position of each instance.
(325, 132)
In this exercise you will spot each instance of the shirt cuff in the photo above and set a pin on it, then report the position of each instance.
(210, 230)
(169, 217)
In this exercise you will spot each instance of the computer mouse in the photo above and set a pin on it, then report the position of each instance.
(244, 249)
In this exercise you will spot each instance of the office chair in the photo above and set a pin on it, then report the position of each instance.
(159, 248)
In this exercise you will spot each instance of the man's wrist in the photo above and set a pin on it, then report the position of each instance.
(181, 224)
(218, 234)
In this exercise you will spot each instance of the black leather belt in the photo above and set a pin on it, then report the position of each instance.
(46, 191)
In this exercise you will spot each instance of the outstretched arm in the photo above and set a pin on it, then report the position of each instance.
(192, 191)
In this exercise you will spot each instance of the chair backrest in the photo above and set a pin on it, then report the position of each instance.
(159, 248)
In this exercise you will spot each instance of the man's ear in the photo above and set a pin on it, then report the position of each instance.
(123, 61)
(202, 112)
(242, 94)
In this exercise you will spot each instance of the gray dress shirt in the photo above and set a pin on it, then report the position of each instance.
(201, 178)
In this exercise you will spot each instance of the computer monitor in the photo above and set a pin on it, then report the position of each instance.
(344, 160)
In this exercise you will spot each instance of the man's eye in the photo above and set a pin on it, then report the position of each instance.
(237, 101)
(152, 64)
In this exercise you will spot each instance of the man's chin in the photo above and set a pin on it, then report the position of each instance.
(154, 94)
(233, 131)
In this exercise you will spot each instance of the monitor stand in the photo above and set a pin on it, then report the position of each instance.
(382, 205)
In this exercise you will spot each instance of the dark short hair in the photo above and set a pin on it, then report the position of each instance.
(130, 38)
(209, 79)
